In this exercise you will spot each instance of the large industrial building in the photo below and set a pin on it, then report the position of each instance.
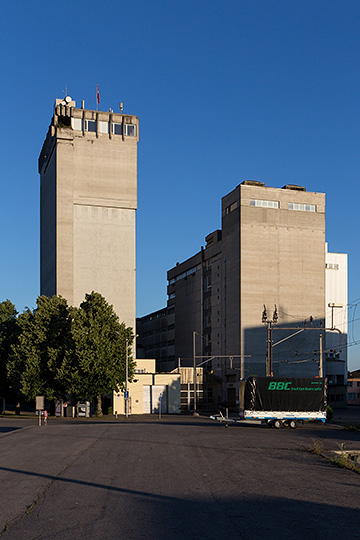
(262, 297)
(259, 281)
(88, 175)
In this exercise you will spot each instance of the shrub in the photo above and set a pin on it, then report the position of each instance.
(329, 413)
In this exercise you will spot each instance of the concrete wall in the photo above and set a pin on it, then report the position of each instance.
(186, 295)
(335, 353)
(88, 204)
(274, 256)
(48, 226)
(136, 392)
(353, 390)
(262, 255)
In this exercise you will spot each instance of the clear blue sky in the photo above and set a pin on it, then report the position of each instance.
(225, 90)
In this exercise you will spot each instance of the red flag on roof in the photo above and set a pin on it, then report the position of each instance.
(97, 94)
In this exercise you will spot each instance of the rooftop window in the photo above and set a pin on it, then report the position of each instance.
(264, 204)
(182, 276)
(302, 207)
(90, 125)
(117, 129)
(76, 123)
(130, 130)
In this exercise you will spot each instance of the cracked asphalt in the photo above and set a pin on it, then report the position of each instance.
(179, 478)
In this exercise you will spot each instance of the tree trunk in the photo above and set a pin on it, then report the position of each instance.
(99, 408)
(17, 408)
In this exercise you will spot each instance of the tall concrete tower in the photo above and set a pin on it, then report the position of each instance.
(88, 199)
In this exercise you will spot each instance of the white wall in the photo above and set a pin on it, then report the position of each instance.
(336, 283)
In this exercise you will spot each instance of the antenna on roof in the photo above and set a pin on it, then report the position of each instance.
(121, 106)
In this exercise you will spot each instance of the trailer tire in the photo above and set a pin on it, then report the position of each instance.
(293, 424)
(277, 424)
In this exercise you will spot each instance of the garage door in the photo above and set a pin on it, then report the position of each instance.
(159, 396)
(146, 399)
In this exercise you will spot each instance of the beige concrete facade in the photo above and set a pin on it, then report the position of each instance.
(275, 255)
(270, 251)
(150, 391)
(88, 175)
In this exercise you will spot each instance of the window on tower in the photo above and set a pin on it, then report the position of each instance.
(130, 130)
(264, 204)
(302, 207)
(90, 125)
(76, 123)
(117, 129)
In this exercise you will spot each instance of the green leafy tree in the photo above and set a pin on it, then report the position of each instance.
(41, 359)
(100, 349)
(8, 337)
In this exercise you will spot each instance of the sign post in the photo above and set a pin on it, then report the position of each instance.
(160, 398)
(40, 406)
(126, 397)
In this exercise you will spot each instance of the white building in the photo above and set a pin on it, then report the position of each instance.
(336, 309)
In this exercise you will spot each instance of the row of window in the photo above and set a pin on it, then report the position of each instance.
(264, 204)
(353, 396)
(331, 266)
(230, 208)
(103, 127)
(302, 207)
(157, 331)
(336, 397)
(182, 276)
(276, 204)
(156, 316)
(154, 332)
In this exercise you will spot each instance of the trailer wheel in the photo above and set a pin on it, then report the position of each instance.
(293, 424)
(277, 424)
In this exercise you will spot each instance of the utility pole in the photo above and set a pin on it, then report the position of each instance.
(269, 327)
(333, 305)
(126, 381)
(321, 350)
(321, 363)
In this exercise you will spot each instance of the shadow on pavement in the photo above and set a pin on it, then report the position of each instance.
(212, 517)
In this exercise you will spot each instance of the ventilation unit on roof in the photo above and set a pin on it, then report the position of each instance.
(253, 183)
(294, 187)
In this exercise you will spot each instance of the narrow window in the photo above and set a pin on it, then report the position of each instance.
(130, 130)
(117, 129)
(90, 125)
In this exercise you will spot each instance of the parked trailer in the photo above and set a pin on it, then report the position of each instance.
(281, 401)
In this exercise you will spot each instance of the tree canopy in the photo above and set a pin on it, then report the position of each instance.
(39, 360)
(8, 337)
(100, 342)
(58, 350)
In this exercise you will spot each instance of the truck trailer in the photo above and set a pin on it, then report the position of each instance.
(283, 401)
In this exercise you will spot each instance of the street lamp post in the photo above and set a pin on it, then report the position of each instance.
(126, 379)
(194, 372)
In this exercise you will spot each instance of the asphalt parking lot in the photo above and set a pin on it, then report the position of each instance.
(179, 477)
